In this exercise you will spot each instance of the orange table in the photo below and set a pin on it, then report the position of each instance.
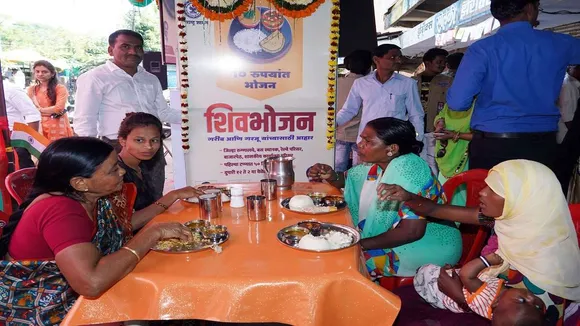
(254, 279)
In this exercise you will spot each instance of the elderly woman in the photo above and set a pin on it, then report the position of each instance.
(395, 240)
(66, 239)
(524, 202)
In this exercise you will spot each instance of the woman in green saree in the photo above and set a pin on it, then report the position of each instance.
(395, 241)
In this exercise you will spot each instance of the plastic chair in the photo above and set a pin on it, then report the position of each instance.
(575, 212)
(473, 236)
(18, 183)
(130, 191)
(3, 220)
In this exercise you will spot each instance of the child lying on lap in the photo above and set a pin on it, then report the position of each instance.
(488, 297)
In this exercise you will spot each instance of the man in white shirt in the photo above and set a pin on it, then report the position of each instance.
(108, 92)
(19, 108)
(384, 93)
(568, 100)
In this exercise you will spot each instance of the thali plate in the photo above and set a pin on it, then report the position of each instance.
(201, 247)
(282, 235)
(285, 205)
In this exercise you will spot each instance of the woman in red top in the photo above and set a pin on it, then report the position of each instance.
(67, 240)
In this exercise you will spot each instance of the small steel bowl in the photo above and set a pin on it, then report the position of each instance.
(197, 225)
(215, 233)
(317, 198)
(335, 201)
(313, 226)
(292, 236)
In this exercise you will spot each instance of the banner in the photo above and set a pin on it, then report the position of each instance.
(258, 85)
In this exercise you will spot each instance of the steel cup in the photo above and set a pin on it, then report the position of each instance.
(218, 194)
(208, 207)
(256, 208)
(268, 188)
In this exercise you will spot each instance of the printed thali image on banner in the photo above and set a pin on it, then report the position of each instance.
(270, 44)
(257, 87)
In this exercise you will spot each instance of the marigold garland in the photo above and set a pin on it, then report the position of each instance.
(294, 10)
(221, 13)
(332, 65)
(184, 76)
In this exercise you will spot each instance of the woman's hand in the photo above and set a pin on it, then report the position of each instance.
(440, 125)
(321, 172)
(494, 259)
(186, 192)
(171, 230)
(444, 134)
(393, 192)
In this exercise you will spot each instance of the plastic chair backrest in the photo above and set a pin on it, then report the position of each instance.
(473, 236)
(575, 212)
(18, 183)
(3, 220)
(130, 191)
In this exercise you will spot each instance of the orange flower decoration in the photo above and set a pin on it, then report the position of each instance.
(221, 13)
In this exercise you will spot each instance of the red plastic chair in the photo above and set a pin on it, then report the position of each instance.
(473, 236)
(130, 191)
(3, 220)
(18, 183)
(575, 212)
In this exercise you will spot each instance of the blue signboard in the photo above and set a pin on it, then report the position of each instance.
(447, 18)
(472, 9)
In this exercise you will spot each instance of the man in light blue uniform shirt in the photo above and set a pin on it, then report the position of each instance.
(384, 93)
(516, 75)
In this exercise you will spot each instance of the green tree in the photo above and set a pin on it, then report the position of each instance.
(145, 21)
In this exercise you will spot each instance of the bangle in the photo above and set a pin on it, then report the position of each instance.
(133, 252)
(485, 220)
(165, 207)
(485, 262)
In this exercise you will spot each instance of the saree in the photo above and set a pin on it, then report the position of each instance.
(536, 237)
(441, 243)
(455, 159)
(36, 293)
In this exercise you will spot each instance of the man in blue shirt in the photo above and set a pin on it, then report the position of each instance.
(516, 76)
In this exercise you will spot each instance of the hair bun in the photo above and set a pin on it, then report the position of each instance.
(417, 147)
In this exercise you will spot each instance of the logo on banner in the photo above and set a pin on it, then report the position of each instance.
(191, 11)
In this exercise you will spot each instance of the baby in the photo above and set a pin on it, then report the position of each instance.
(488, 297)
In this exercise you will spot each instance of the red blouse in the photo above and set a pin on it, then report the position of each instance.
(49, 226)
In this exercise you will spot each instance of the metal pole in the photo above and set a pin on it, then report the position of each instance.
(4, 125)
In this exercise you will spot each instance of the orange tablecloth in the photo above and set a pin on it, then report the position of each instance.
(254, 279)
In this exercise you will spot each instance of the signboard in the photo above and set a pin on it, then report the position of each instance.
(419, 33)
(472, 9)
(447, 18)
(258, 87)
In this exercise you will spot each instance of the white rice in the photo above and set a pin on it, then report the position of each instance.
(248, 40)
(338, 240)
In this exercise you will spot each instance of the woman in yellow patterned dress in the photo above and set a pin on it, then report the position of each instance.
(50, 99)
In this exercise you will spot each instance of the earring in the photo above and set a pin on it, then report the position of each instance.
(390, 154)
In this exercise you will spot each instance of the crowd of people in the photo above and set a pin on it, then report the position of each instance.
(503, 106)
